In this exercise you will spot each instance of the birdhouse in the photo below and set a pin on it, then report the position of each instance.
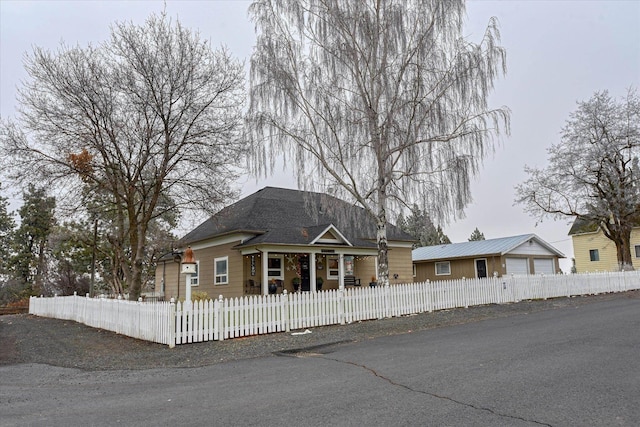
(189, 262)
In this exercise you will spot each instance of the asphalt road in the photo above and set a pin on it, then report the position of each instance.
(566, 367)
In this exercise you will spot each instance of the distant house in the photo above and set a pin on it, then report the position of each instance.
(277, 235)
(595, 252)
(524, 254)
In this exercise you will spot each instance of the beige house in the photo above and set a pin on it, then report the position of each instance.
(277, 239)
(594, 252)
(524, 254)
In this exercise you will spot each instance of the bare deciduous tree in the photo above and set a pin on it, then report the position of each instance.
(594, 171)
(144, 124)
(382, 101)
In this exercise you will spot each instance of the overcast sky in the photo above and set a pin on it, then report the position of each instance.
(558, 52)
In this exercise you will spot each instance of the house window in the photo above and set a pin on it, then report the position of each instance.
(414, 270)
(333, 268)
(594, 255)
(275, 265)
(221, 270)
(637, 248)
(443, 268)
(194, 278)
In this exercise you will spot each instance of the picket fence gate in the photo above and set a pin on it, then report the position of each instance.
(174, 323)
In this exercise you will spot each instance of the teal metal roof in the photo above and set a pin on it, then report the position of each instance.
(499, 246)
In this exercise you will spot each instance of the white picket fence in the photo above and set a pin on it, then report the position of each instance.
(146, 321)
(185, 322)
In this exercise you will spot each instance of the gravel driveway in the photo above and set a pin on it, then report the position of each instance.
(29, 339)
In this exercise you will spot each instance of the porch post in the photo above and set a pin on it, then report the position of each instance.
(341, 271)
(265, 272)
(312, 272)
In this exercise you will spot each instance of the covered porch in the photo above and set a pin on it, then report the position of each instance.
(303, 269)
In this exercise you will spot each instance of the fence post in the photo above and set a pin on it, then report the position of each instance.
(341, 315)
(387, 296)
(285, 307)
(465, 298)
(172, 323)
(220, 314)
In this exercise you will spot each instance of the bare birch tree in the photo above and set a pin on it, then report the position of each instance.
(594, 171)
(143, 125)
(384, 102)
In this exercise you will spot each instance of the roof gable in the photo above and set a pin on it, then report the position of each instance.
(331, 235)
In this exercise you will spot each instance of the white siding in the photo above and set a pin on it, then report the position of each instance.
(517, 265)
(531, 247)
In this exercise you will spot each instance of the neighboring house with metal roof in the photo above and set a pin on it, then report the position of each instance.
(524, 254)
(593, 251)
(276, 235)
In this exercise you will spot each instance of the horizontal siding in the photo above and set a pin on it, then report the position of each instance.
(206, 284)
(400, 264)
(635, 241)
(530, 248)
(583, 243)
(169, 272)
(466, 267)
(459, 268)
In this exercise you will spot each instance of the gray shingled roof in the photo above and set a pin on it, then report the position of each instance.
(580, 226)
(284, 216)
(499, 246)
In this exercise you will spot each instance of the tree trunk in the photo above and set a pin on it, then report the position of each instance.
(381, 238)
(40, 268)
(621, 236)
(383, 253)
(623, 248)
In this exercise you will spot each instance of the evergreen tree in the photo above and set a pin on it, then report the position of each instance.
(6, 229)
(440, 238)
(419, 225)
(476, 235)
(30, 239)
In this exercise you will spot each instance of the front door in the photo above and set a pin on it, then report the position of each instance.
(481, 268)
(305, 274)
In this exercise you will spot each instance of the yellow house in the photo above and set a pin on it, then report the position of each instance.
(277, 239)
(595, 252)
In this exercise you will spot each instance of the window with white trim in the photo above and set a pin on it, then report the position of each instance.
(221, 270)
(443, 268)
(275, 267)
(333, 267)
(195, 278)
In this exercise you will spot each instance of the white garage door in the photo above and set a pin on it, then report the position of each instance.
(517, 266)
(543, 266)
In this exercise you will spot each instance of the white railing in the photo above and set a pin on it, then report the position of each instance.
(186, 322)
